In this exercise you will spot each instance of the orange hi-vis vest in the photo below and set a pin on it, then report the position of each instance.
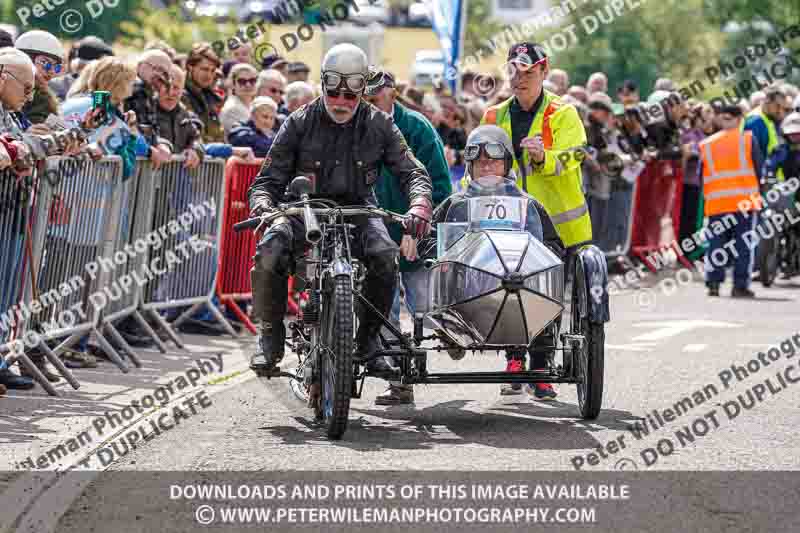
(729, 179)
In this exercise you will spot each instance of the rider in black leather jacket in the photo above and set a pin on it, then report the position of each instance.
(339, 142)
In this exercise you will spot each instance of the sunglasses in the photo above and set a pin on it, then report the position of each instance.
(247, 81)
(48, 66)
(492, 151)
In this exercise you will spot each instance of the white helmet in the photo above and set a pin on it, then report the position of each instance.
(791, 124)
(345, 58)
(40, 42)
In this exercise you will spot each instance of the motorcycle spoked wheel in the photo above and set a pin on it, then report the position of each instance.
(335, 359)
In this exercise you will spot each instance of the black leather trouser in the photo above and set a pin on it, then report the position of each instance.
(285, 240)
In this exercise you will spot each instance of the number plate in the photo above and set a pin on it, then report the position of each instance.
(501, 212)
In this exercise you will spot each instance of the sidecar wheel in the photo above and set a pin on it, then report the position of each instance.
(588, 362)
(590, 367)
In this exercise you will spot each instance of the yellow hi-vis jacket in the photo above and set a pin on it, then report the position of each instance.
(772, 142)
(557, 181)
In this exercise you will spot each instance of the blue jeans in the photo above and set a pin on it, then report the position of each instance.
(415, 284)
(619, 216)
(718, 258)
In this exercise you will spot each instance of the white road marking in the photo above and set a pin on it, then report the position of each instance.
(671, 328)
(646, 347)
(694, 348)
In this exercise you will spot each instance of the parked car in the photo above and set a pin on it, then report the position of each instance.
(369, 11)
(273, 11)
(220, 10)
(419, 15)
(428, 66)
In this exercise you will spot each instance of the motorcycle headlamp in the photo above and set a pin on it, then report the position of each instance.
(492, 151)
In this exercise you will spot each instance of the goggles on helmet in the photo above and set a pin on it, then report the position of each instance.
(492, 151)
(351, 84)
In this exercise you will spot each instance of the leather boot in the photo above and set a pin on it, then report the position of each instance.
(269, 304)
(271, 345)
(257, 280)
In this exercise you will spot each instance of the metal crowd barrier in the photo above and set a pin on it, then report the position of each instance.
(135, 222)
(16, 204)
(237, 248)
(185, 279)
(76, 219)
(657, 198)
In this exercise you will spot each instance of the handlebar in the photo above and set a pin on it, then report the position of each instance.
(306, 210)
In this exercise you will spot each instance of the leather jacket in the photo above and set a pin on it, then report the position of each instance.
(343, 161)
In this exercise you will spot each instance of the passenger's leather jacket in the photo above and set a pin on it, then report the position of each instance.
(343, 161)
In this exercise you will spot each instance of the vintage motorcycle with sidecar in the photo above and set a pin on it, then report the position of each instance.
(493, 286)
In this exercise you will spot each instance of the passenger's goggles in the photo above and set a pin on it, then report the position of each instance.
(492, 151)
(351, 85)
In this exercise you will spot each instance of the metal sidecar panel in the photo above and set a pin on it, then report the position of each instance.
(495, 287)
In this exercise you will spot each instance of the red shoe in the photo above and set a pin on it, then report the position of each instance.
(543, 391)
(509, 389)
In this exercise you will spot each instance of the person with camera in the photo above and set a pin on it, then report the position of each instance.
(597, 174)
(177, 125)
(340, 142)
(654, 127)
(542, 129)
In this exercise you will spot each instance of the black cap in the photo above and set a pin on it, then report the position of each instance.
(91, 48)
(378, 79)
(526, 53)
(298, 66)
(272, 61)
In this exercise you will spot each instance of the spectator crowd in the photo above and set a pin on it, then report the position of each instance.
(202, 105)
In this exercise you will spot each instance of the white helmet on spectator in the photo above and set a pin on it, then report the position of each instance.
(791, 124)
(37, 42)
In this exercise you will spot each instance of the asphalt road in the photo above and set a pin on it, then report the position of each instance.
(662, 345)
(671, 366)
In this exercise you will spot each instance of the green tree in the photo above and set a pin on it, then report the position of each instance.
(75, 19)
(644, 43)
(168, 25)
(777, 13)
(747, 24)
(480, 26)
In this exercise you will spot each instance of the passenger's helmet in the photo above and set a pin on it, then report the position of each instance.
(38, 42)
(494, 135)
